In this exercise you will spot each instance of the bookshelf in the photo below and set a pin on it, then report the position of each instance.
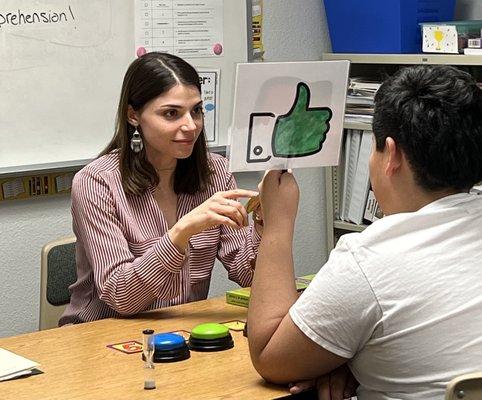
(378, 66)
(406, 59)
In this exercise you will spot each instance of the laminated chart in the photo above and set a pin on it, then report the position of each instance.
(187, 28)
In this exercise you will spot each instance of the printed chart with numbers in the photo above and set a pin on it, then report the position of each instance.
(186, 28)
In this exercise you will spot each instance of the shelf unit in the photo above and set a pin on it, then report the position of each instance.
(379, 65)
(406, 59)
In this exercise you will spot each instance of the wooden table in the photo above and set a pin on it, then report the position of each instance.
(78, 365)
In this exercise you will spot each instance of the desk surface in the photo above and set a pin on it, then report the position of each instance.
(78, 365)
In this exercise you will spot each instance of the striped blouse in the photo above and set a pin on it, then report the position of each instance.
(126, 262)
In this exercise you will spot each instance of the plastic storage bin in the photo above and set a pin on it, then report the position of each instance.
(382, 26)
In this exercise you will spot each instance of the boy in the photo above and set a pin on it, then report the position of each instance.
(399, 304)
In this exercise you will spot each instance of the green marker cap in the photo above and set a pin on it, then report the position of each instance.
(209, 331)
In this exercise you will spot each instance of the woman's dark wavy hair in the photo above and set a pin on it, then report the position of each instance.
(146, 78)
(434, 114)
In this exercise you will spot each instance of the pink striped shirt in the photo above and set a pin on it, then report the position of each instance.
(126, 262)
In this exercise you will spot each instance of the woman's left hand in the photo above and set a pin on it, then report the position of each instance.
(222, 208)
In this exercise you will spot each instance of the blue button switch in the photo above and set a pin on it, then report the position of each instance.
(168, 341)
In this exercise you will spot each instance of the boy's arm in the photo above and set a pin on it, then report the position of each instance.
(280, 351)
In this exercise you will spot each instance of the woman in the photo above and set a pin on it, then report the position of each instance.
(153, 212)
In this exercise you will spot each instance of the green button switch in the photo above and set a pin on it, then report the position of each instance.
(209, 331)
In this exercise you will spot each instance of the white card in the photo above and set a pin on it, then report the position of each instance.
(288, 115)
(440, 39)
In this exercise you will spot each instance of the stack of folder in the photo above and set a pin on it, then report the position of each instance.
(14, 366)
(355, 186)
(360, 100)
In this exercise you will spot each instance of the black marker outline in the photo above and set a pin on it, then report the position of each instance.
(250, 133)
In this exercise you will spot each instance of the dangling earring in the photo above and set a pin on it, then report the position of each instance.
(136, 142)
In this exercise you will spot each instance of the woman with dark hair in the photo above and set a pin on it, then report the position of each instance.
(153, 212)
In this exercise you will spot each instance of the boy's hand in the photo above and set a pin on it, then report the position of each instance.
(279, 194)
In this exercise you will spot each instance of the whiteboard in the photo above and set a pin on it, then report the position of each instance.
(60, 80)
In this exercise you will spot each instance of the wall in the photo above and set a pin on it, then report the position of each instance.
(294, 33)
(25, 226)
(468, 9)
(291, 33)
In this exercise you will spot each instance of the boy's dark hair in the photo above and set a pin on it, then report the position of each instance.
(146, 78)
(434, 114)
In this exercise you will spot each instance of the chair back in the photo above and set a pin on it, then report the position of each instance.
(58, 272)
(465, 387)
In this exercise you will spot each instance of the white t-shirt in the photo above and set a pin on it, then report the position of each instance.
(403, 300)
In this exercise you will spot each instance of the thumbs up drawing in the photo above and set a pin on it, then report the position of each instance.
(302, 131)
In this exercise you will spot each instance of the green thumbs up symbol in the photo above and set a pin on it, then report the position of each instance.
(302, 131)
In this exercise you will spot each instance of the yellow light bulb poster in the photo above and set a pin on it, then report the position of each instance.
(440, 39)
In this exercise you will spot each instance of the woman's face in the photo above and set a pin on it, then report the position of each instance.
(171, 124)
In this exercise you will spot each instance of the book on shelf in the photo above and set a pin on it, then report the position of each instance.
(352, 149)
(354, 177)
(340, 191)
(359, 109)
(360, 99)
(364, 83)
(361, 181)
(473, 52)
(358, 118)
(240, 297)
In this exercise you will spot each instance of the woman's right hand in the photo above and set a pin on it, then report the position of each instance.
(222, 208)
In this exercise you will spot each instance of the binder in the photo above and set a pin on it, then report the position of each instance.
(361, 181)
(351, 160)
(340, 190)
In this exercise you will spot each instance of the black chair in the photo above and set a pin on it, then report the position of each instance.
(58, 272)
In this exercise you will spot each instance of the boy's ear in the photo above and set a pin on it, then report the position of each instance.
(394, 157)
(132, 116)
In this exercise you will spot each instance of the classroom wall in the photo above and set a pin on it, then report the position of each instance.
(468, 9)
(295, 33)
(291, 32)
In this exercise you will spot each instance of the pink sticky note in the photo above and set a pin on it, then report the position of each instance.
(218, 49)
(141, 51)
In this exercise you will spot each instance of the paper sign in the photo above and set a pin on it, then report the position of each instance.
(288, 115)
(440, 39)
(210, 97)
(188, 28)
